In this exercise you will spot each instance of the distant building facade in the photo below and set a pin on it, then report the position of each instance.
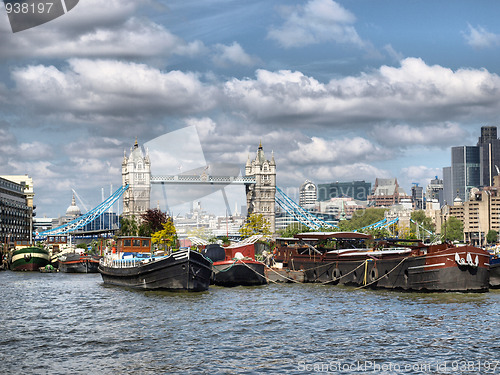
(359, 190)
(136, 172)
(387, 192)
(15, 213)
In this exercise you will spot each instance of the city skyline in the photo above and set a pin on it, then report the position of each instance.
(340, 91)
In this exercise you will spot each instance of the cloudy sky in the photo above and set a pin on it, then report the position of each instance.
(339, 90)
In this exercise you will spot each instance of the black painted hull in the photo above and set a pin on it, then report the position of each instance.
(237, 273)
(411, 274)
(76, 263)
(182, 271)
(495, 275)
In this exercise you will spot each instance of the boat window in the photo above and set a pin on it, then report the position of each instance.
(145, 243)
(127, 242)
(137, 243)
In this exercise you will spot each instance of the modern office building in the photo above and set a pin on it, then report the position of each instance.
(489, 154)
(434, 191)
(359, 190)
(465, 170)
(308, 194)
(417, 197)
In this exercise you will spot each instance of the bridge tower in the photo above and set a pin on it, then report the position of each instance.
(261, 195)
(136, 172)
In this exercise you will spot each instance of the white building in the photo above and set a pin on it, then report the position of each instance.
(308, 194)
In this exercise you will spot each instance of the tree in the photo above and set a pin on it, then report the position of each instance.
(362, 218)
(424, 222)
(492, 236)
(128, 226)
(293, 229)
(256, 224)
(453, 229)
(167, 235)
(152, 221)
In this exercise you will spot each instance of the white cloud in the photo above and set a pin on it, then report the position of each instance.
(315, 22)
(232, 55)
(481, 38)
(338, 151)
(112, 88)
(414, 90)
(97, 29)
(439, 135)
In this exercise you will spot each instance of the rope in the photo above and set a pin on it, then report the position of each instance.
(374, 281)
(347, 274)
(285, 277)
(266, 278)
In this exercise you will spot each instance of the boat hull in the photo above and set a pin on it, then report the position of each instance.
(29, 259)
(436, 272)
(495, 273)
(239, 272)
(76, 263)
(182, 271)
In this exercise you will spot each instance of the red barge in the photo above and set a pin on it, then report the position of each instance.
(235, 265)
(356, 259)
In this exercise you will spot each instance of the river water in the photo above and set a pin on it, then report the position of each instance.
(72, 323)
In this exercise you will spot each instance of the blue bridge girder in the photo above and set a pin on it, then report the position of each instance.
(87, 218)
(299, 213)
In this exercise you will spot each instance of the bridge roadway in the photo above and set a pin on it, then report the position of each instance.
(203, 179)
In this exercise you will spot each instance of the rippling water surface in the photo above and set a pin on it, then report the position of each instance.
(71, 323)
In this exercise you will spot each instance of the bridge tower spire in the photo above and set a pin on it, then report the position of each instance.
(261, 195)
(136, 172)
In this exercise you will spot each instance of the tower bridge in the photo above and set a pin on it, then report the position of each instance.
(259, 182)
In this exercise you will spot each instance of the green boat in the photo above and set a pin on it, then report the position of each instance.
(29, 259)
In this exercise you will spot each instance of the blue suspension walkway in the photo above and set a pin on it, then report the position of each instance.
(87, 218)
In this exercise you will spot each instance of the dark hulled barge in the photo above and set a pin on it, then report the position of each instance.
(78, 263)
(133, 265)
(357, 259)
(235, 265)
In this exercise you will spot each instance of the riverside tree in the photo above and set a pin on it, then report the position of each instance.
(256, 224)
(167, 236)
(152, 221)
(453, 229)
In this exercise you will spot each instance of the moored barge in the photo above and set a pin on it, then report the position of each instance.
(78, 263)
(236, 265)
(133, 265)
(356, 259)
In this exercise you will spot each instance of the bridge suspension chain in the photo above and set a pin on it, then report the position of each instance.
(87, 218)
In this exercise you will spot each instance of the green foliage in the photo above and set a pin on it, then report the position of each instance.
(424, 221)
(492, 236)
(128, 226)
(256, 224)
(293, 229)
(453, 229)
(362, 218)
(166, 236)
(81, 246)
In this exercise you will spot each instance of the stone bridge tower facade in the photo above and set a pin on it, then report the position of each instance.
(261, 196)
(136, 172)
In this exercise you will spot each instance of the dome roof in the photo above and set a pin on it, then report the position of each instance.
(73, 210)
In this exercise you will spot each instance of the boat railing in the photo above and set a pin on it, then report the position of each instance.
(121, 263)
